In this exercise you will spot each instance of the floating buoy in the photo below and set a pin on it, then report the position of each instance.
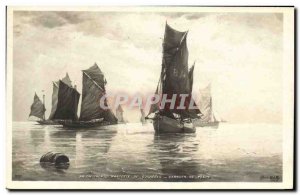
(56, 159)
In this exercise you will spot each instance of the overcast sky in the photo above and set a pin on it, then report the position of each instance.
(240, 54)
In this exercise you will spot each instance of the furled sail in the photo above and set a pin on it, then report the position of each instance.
(67, 104)
(175, 77)
(37, 108)
(93, 88)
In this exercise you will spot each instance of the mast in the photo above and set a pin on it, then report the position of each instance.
(44, 105)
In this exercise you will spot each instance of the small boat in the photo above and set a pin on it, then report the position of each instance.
(91, 114)
(142, 119)
(119, 115)
(175, 78)
(37, 109)
(208, 118)
(50, 120)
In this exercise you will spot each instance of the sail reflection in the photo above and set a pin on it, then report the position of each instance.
(79, 153)
(176, 156)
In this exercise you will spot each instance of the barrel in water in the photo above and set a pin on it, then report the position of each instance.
(56, 159)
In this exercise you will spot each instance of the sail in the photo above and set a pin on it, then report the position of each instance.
(192, 113)
(54, 99)
(119, 114)
(206, 108)
(155, 107)
(205, 104)
(37, 108)
(175, 74)
(67, 80)
(93, 88)
(191, 78)
(175, 64)
(67, 104)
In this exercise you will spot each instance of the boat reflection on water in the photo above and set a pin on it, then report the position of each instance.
(176, 155)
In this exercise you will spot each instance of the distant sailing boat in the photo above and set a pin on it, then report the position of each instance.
(208, 119)
(175, 78)
(37, 108)
(50, 120)
(143, 120)
(91, 114)
(119, 114)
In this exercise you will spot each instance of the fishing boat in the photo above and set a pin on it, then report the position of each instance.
(119, 115)
(206, 105)
(37, 109)
(175, 79)
(50, 120)
(91, 114)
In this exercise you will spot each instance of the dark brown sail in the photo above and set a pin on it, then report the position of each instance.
(155, 107)
(175, 76)
(67, 104)
(37, 108)
(93, 88)
(193, 113)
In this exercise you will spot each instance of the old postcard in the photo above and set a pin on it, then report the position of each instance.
(150, 97)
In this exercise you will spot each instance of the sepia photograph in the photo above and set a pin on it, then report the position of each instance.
(164, 97)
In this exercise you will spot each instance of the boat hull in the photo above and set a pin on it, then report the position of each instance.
(83, 124)
(165, 124)
(48, 122)
(214, 124)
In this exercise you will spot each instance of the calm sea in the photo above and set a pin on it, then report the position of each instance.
(131, 152)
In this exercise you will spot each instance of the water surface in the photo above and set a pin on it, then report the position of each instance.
(131, 152)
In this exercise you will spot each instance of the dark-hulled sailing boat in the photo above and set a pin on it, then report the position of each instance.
(91, 114)
(50, 120)
(175, 78)
(37, 108)
(205, 103)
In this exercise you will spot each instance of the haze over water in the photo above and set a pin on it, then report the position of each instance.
(132, 152)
